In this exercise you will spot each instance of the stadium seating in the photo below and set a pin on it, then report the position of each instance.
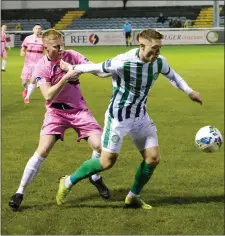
(222, 21)
(117, 23)
(47, 17)
(26, 24)
(108, 18)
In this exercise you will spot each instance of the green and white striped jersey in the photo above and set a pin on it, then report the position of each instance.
(132, 82)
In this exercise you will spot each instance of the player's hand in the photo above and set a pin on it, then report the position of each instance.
(65, 66)
(22, 53)
(71, 75)
(195, 96)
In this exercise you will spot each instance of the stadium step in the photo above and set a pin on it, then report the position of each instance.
(67, 19)
(205, 18)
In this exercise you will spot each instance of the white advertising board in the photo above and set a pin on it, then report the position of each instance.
(180, 37)
(81, 38)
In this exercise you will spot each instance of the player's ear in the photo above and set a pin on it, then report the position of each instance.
(142, 46)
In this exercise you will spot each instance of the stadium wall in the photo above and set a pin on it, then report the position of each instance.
(108, 3)
(11, 5)
(22, 4)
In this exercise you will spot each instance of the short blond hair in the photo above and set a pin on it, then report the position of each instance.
(150, 34)
(52, 34)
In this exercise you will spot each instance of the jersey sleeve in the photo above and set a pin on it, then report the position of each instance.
(174, 78)
(40, 73)
(114, 64)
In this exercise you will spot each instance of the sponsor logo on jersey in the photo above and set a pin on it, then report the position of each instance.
(108, 63)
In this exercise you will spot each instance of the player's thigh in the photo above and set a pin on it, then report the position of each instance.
(144, 134)
(95, 142)
(55, 123)
(86, 126)
(32, 80)
(26, 73)
(46, 143)
(113, 134)
(5, 56)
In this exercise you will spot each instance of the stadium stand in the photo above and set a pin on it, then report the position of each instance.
(205, 18)
(68, 18)
(47, 17)
(109, 18)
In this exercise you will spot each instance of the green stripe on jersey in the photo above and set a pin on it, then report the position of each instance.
(107, 132)
(148, 85)
(115, 92)
(137, 52)
(137, 88)
(127, 89)
(159, 64)
(103, 67)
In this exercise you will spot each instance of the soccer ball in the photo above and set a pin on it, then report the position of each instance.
(208, 139)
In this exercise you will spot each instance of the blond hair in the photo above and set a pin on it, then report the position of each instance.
(52, 34)
(150, 34)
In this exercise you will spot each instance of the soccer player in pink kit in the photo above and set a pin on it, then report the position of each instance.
(66, 108)
(3, 45)
(32, 49)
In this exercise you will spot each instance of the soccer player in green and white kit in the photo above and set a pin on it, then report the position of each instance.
(134, 73)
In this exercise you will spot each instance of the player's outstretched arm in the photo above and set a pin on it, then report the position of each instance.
(109, 66)
(67, 66)
(81, 68)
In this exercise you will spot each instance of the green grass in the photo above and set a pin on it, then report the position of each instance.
(187, 189)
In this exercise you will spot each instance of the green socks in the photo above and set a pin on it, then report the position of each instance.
(89, 167)
(143, 174)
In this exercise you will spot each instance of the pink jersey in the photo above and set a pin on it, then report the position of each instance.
(3, 40)
(50, 71)
(34, 49)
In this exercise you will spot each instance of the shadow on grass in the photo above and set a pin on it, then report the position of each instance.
(117, 200)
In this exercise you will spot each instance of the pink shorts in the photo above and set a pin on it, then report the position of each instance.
(3, 52)
(57, 121)
(27, 72)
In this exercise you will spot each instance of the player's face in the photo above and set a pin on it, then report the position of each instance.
(54, 48)
(151, 51)
(37, 30)
(4, 28)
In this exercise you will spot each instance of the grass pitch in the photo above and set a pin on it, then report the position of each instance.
(187, 188)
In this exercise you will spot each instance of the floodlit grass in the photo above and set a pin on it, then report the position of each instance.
(187, 189)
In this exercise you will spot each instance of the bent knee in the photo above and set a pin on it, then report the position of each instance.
(108, 161)
(97, 147)
(153, 159)
(95, 142)
(43, 151)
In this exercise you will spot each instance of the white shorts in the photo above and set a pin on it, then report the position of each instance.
(142, 131)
